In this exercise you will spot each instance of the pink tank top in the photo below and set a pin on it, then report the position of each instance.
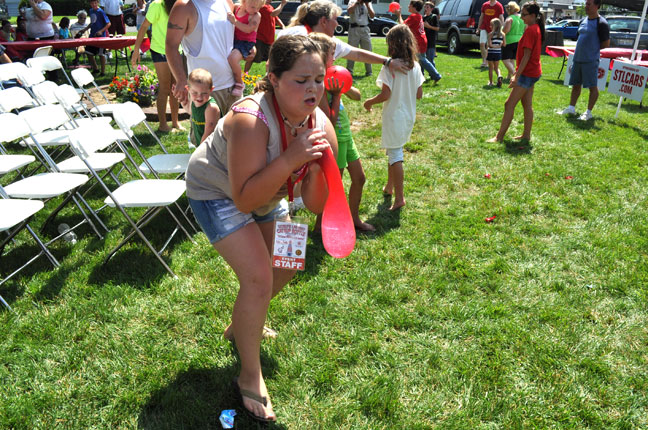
(240, 35)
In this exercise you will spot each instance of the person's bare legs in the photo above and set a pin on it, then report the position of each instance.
(164, 90)
(102, 61)
(484, 53)
(509, 110)
(234, 60)
(355, 194)
(93, 62)
(175, 106)
(397, 178)
(575, 94)
(247, 253)
(510, 67)
(527, 104)
(593, 97)
(491, 66)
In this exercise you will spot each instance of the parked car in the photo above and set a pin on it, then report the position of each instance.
(288, 10)
(568, 27)
(623, 31)
(378, 25)
(458, 23)
(130, 19)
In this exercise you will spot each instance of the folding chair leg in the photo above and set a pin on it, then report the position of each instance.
(5, 303)
(137, 231)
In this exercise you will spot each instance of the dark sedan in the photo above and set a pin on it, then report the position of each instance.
(378, 25)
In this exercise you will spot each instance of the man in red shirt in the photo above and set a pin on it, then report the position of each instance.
(415, 24)
(490, 9)
(265, 33)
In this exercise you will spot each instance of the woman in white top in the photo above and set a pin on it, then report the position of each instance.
(321, 16)
(39, 20)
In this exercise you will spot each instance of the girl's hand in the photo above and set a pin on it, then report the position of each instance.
(367, 105)
(307, 146)
(231, 18)
(513, 83)
(334, 85)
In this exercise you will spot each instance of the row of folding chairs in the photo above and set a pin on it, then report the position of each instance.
(33, 121)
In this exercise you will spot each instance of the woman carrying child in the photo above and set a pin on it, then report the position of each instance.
(528, 72)
(246, 19)
(495, 43)
(399, 93)
(236, 183)
(348, 156)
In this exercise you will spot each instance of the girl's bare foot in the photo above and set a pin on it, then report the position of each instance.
(164, 129)
(177, 128)
(494, 140)
(397, 205)
(363, 226)
(522, 138)
(387, 192)
(268, 333)
(254, 388)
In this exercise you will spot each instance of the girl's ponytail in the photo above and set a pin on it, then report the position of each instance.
(540, 20)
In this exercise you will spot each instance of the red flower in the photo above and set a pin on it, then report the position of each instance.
(490, 218)
(487, 175)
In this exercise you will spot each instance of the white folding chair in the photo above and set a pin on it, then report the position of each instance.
(154, 194)
(84, 78)
(129, 115)
(67, 97)
(9, 72)
(29, 77)
(48, 64)
(14, 217)
(43, 51)
(15, 98)
(44, 186)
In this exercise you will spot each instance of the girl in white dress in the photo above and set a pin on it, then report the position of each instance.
(399, 93)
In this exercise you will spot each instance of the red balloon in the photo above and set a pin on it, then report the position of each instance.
(394, 6)
(342, 75)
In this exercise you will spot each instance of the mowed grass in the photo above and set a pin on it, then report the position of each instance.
(439, 320)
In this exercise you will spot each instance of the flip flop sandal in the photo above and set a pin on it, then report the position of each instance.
(252, 396)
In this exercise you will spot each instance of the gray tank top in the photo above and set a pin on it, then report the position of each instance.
(207, 175)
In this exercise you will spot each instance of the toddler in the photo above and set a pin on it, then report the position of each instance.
(399, 93)
(202, 106)
(495, 43)
(347, 156)
(246, 19)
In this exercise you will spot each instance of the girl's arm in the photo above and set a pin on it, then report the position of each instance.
(212, 115)
(332, 110)
(252, 180)
(526, 56)
(353, 94)
(384, 95)
(135, 58)
(490, 40)
(314, 190)
(419, 92)
(252, 25)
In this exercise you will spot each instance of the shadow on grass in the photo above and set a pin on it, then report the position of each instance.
(195, 399)
(518, 147)
(383, 219)
(642, 132)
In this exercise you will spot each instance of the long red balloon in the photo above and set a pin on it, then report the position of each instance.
(338, 231)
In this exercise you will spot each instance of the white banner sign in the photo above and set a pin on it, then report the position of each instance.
(604, 67)
(628, 81)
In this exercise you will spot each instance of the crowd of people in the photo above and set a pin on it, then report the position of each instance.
(254, 151)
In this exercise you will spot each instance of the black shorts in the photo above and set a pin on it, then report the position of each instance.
(494, 56)
(94, 50)
(509, 51)
(263, 49)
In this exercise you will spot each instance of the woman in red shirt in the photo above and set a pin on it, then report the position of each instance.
(528, 72)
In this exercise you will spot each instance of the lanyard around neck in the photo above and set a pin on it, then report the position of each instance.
(284, 145)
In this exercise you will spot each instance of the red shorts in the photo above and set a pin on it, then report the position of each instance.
(116, 24)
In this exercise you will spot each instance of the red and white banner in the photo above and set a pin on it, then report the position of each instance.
(628, 80)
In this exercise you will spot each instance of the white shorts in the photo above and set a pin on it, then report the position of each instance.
(394, 155)
(483, 37)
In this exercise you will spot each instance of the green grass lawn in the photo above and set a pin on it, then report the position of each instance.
(439, 320)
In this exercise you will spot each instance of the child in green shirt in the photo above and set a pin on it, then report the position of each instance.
(202, 106)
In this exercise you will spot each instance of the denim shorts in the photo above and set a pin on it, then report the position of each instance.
(219, 218)
(527, 82)
(157, 57)
(585, 74)
(244, 47)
